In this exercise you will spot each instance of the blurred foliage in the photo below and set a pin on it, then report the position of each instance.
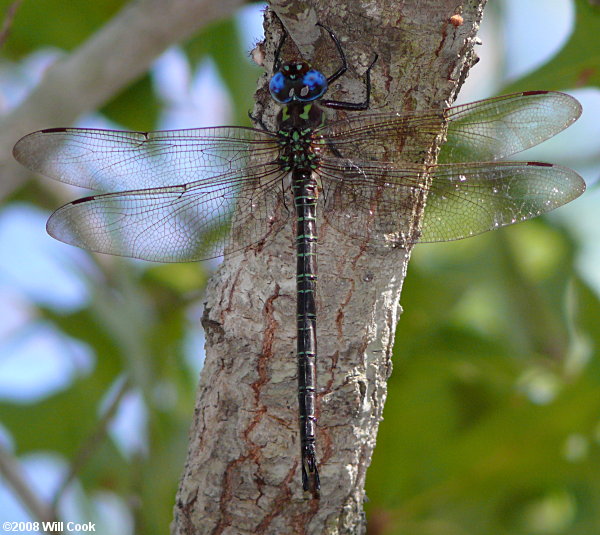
(577, 63)
(493, 415)
(220, 42)
(75, 21)
(492, 422)
(138, 318)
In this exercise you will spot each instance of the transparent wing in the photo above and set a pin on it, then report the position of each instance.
(479, 131)
(499, 127)
(466, 200)
(182, 185)
(180, 223)
(109, 160)
(371, 201)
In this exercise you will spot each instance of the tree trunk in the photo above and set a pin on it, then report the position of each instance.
(242, 473)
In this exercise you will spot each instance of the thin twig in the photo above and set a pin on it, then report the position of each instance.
(88, 447)
(8, 21)
(11, 470)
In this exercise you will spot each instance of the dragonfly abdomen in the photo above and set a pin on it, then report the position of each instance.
(304, 188)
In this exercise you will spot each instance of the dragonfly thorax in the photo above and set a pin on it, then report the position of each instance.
(296, 85)
(297, 149)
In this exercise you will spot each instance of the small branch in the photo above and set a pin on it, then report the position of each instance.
(10, 468)
(8, 21)
(91, 443)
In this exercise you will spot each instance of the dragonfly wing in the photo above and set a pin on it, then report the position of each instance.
(372, 201)
(486, 130)
(109, 160)
(465, 200)
(176, 223)
(499, 127)
(381, 136)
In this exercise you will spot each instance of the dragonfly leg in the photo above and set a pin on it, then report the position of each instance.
(277, 57)
(341, 53)
(354, 106)
(258, 120)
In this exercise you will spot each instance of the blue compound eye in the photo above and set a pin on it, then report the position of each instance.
(314, 85)
(296, 81)
(281, 88)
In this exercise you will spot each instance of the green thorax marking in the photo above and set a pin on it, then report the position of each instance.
(306, 112)
(297, 123)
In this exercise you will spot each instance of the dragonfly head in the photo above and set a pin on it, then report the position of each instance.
(296, 80)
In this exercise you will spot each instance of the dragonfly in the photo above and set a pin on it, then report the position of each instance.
(181, 195)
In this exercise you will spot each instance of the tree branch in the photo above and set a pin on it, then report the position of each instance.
(12, 473)
(110, 60)
(92, 442)
(242, 473)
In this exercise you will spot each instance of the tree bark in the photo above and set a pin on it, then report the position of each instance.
(242, 473)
